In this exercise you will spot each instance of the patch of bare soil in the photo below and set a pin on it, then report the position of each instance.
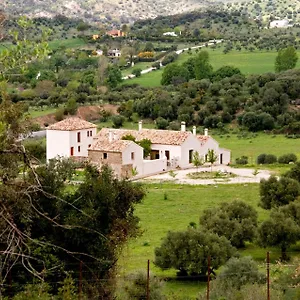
(89, 113)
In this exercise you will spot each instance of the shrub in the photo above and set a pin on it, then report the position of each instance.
(287, 158)
(156, 65)
(243, 160)
(137, 72)
(117, 121)
(270, 159)
(36, 148)
(59, 114)
(266, 159)
(161, 123)
(135, 287)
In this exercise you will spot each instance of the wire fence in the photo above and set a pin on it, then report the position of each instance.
(83, 277)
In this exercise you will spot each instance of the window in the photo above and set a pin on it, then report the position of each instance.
(88, 133)
(72, 151)
(132, 155)
(89, 145)
(78, 137)
(104, 155)
(78, 148)
(91, 132)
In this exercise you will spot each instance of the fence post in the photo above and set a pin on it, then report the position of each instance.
(208, 277)
(148, 280)
(80, 281)
(268, 275)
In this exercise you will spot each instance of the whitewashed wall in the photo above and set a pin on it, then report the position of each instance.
(58, 143)
(153, 166)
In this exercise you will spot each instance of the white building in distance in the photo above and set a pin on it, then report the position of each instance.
(70, 138)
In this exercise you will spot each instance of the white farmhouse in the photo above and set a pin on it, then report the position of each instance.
(169, 149)
(70, 138)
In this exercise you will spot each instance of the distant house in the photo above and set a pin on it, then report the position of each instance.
(114, 53)
(279, 24)
(170, 33)
(116, 33)
(70, 138)
(170, 149)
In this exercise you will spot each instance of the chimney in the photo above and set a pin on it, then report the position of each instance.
(194, 130)
(110, 136)
(205, 132)
(182, 126)
(140, 125)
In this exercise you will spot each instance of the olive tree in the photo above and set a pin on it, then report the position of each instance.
(188, 251)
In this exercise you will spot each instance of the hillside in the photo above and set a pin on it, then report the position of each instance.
(104, 11)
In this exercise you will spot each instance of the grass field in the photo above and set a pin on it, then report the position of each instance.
(253, 145)
(256, 62)
(68, 43)
(183, 205)
(40, 113)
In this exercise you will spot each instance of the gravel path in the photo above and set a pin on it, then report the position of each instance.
(242, 176)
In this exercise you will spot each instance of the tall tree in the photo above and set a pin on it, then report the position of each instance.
(286, 59)
(203, 69)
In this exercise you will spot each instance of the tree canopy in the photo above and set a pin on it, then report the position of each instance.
(237, 221)
(188, 251)
(286, 59)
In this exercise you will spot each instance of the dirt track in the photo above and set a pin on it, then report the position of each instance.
(242, 176)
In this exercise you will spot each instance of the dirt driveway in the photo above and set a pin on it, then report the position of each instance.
(242, 176)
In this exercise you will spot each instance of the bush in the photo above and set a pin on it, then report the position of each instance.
(36, 148)
(136, 287)
(59, 115)
(156, 65)
(287, 158)
(266, 159)
(270, 159)
(137, 72)
(161, 123)
(117, 121)
(243, 160)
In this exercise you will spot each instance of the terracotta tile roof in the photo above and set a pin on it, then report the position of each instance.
(203, 138)
(114, 146)
(163, 137)
(72, 123)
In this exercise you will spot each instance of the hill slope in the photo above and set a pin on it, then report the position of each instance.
(103, 11)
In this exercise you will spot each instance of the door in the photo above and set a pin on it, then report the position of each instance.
(72, 151)
(190, 156)
(167, 154)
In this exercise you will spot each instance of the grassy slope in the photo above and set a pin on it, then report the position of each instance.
(184, 204)
(68, 43)
(248, 62)
(262, 143)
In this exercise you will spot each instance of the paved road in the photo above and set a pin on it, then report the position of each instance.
(177, 52)
(243, 176)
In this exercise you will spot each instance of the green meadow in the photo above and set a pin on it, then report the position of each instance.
(256, 62)
(254, 144)
(68, 43)
(172, 207)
